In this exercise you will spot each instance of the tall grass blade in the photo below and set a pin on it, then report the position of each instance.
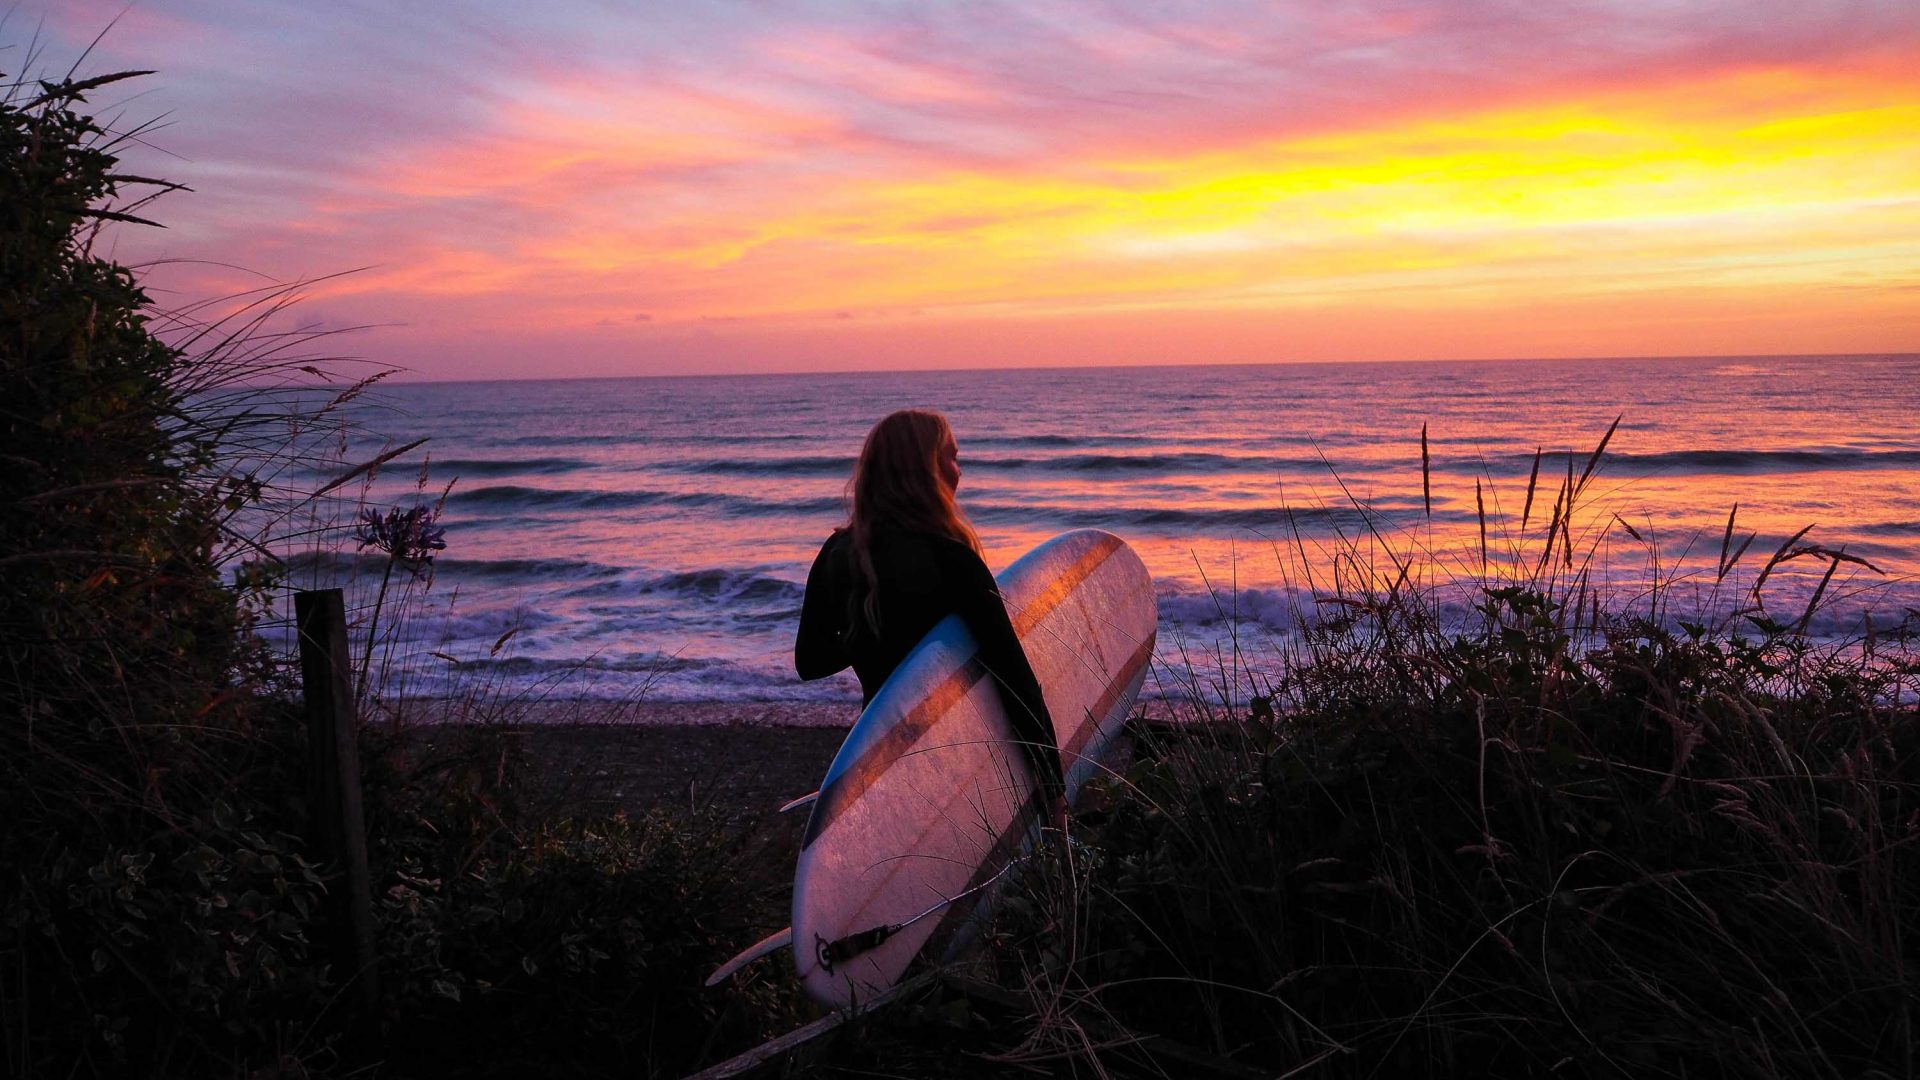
(1835, 554)
(1300, 550)
(355, 390)
(1737, 552)
(1426, 472)
(1726, 541)
(1553, 526)
(1813, 604)
(70, 89)
(1533, 479)
(1366, 516)
(1393, 592)
(501, 641)
(133, 178)
(364, 468)
(1480, 509)
(1593, 460)
(1573, 490)
(1779, 556)
(115, 215)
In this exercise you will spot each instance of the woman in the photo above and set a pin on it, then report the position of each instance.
(907, 559)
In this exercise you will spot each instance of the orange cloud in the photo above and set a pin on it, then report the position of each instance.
(1750, 189)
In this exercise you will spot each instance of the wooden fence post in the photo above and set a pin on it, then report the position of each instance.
(339, 824)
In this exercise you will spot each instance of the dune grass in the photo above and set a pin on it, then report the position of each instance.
(1502, 823)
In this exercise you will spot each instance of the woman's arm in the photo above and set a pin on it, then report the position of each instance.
(820, 649)
(979, 602)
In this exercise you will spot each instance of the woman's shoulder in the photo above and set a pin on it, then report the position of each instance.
(908, 534)
(835, 546)
(954, 555)
(901, 548)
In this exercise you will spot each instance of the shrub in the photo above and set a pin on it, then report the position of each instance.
(156, 906)
(519, 938)
(158, 911)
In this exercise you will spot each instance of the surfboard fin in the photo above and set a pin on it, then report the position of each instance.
(773, 942)
(795, 804)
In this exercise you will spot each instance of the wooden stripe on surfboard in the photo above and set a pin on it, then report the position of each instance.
(1049, 598)
(857, 778)
(1007, 843)
(848, 786)
(1108, 698)
(1007, 847)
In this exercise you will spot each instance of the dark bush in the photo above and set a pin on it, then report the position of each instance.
(156, 907)
(519, 939)
(1588, 850)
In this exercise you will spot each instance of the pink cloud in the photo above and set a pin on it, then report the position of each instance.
(552, 168)
(117, 24)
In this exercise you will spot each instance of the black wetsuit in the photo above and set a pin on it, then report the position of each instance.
(923, 579)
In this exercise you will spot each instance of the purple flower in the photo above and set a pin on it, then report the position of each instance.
(407, 536)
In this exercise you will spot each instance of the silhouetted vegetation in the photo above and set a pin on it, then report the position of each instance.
(1494, 828)
(160, 911)
(155, 907)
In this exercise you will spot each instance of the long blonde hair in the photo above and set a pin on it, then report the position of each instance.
(898, 481)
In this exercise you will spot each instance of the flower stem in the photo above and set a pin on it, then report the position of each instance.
(373, 634)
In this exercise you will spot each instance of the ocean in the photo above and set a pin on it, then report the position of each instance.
(650, 537)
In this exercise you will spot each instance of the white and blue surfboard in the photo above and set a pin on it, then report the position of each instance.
(928, 803)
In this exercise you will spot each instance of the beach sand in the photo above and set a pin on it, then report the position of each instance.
(748, 757)
(745, 757)
(746, 768)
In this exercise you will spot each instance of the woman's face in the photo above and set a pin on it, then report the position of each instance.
(949, 463)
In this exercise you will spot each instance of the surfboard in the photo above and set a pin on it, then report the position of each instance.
(928, 806)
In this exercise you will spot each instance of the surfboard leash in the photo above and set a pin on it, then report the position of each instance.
(830, 954)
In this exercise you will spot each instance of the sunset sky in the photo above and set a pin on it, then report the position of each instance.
(598, 188)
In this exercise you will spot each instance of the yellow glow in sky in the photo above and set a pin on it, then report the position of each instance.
(1764, 177)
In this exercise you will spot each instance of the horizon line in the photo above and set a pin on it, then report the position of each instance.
(403, 376)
